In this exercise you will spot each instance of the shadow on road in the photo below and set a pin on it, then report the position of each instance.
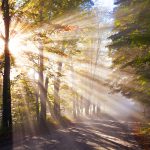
(84, 135)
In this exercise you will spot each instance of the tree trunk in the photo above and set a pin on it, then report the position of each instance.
(78, 106)
(45, 93)
(74, 108)
(56, 92)
(6, 114)
(41, 88)
(37, 103)
(42, 117)
(98, 110)
(94, 109)
(87, 108)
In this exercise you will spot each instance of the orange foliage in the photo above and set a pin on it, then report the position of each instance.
(63, 28)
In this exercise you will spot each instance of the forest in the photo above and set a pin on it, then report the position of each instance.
(74, 74)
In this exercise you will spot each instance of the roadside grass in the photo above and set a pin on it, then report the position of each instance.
(142, 135)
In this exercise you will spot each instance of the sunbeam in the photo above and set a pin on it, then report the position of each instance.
(73, 74)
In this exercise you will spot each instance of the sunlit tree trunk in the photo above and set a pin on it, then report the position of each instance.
(6, 114)
(74, 105)
(42, 116)
(87, 108)
(56, 92)
(46, 92)
(41, 87)
(81, 106)
(74, 108)
(94, 109)
(98, 110)
(78, 106)
(37, 102)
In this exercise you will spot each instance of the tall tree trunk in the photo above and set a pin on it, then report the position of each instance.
(6, 114)
(42, 117)
(94, 109)
(45, 93)
(78, 106)
(56, 92)
(74, 108)
(98, 110)
(87, 107)
(41, 88)
(46, 88)
(82, 105)
(37, 103)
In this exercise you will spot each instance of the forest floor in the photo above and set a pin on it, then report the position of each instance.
(89, 134)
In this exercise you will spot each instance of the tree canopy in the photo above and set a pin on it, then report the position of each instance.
(130, 48)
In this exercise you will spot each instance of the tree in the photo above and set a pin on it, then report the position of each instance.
(28, 13)
(46, 16)
(6, 116)
(130, 49)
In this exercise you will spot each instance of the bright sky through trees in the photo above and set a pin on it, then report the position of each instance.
(106, 3)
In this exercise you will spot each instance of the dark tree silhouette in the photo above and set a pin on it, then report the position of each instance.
(6, 114)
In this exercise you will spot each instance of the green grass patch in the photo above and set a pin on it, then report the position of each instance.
(145, 129)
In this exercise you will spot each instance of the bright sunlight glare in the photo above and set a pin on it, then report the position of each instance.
(105, 3)
(14, 46)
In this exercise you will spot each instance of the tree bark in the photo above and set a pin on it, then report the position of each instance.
(45, 93)
(98, 110)
(42, 117)
(78, 106)
(41, 88)
(87, 108)
(37, 103)
(56, 92)
(74, 108)
(94, 109)
(6, 113)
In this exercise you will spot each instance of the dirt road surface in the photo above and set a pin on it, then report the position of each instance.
(102, 134)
